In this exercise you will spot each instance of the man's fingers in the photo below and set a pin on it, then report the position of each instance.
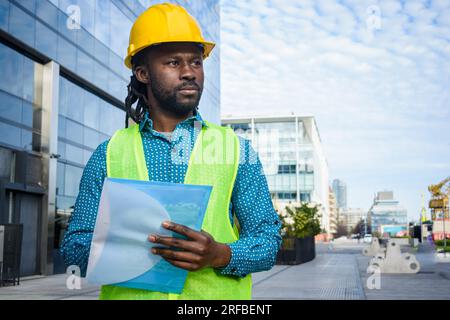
(184, 230)
(183, 265)
(176, 243)
(177, 255)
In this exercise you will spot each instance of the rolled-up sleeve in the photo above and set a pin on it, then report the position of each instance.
(259, 236)
(76, 244)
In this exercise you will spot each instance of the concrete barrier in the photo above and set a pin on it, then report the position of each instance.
(394, 261)
(373, 249)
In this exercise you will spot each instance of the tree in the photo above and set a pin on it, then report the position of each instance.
(359, 228)
(341, 230)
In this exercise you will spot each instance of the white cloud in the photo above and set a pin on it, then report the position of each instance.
(381, 102)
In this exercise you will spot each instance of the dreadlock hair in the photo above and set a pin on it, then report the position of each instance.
(137, 91)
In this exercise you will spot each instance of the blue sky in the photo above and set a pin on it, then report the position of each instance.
(380, 97)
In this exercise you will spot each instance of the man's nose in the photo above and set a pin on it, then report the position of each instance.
(187, 72)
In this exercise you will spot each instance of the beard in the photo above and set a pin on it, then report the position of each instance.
(170, 100)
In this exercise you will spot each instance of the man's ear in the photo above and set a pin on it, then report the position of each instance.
(141, 74)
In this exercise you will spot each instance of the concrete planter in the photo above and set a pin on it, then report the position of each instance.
(296, 251)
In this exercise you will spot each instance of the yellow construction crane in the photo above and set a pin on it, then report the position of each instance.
(439, 198)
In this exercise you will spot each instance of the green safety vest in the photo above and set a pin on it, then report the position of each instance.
(213, 161)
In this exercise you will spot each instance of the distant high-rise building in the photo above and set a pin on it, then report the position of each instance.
(340, 190)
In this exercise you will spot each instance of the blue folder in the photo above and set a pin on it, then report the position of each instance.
(131, 210)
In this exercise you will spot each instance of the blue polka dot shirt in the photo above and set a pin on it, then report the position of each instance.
(259, 240)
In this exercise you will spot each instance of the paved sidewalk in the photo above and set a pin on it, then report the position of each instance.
(48, 288)
(328, 276)
(338, 272)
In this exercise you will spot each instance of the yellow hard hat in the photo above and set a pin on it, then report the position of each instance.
(164, 23)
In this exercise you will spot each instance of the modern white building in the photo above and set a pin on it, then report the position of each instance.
(387, 216)
(291, 153)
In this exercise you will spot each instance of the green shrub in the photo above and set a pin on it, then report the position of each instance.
(301, 222)
(441, 242)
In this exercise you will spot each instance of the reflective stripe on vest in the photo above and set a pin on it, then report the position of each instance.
(213, 161)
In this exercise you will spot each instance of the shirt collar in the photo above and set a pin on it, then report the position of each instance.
(147, 123)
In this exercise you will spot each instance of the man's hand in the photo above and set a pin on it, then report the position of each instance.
(199, 251)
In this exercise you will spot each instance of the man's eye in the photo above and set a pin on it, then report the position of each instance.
(174, 63)
(197, 62)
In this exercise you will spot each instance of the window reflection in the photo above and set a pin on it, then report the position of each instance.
(27, 114)
(85, 65)
(46, 40)
(72, 180)
(60, 177)
(10, 107)
(74, 154)
(10, 134)
(4, 15)
(102, 18)
(66, 54)
(21, 25)
(11, 76)
(27, 139)
(47, 12)
(74, 132)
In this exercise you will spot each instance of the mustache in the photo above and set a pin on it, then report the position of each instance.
(188, 85)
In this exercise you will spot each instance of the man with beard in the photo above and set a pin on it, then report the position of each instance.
(166, 54)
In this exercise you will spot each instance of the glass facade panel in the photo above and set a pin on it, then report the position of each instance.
(74, 154)
(102, 18)
(74, 131)
(21, 25)
(86, 41)
(10, 107)
(47, 12)
(118, 22)
(60, 177)
(10, 134)
(87, 8)
(69, 33)
(4, 15)
(16, 99)
(85, 65)
(91, 138)
(91, 110)
(84, 123)
(62, 149)
(26, 139)
(27, 114)
(11, 77)
(46, 40)
(67, 54)
(72, 180)
(28, 80)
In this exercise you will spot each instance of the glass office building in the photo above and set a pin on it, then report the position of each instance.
(292, 157)
(387, 216)
(62, 86)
